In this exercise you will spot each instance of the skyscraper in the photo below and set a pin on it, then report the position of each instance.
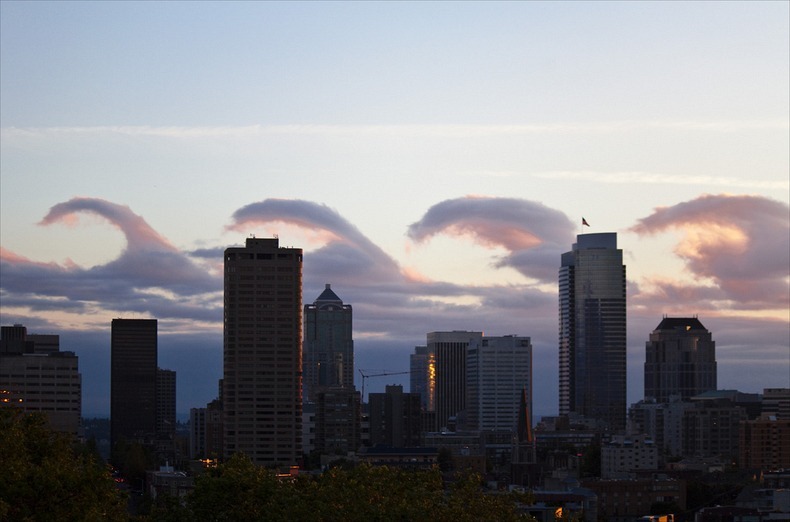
(328, 344)
(262, 376)
(449, 349)
(422, 378)
(498, 371)
(592, 330)
(680, 359)
(133, 380)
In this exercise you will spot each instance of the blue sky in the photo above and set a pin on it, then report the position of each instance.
(433, 160)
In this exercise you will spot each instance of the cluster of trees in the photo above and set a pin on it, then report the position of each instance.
(47, 477)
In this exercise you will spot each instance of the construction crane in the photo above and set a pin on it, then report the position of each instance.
(383, 374)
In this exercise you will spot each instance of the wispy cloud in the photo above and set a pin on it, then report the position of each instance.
(424, 130)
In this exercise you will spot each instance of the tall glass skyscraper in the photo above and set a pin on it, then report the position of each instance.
(592, 330)
(262, 375)
(328, 345)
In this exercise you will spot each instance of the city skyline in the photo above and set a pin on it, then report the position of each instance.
(433, 160)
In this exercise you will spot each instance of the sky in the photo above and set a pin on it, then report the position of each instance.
(433, 160)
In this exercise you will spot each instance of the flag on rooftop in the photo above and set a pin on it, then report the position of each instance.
(584, 222)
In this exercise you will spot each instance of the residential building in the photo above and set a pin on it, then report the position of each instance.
(498, 370)
(624, 455)
(337, 420)
(776, 402)
(680, 359)
(395, 419)
(262, 345)
(35, 376)
(765, 443)
(133, 378)
(328, 355)
(592, 330)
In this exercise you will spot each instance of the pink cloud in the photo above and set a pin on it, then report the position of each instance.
(742, 243)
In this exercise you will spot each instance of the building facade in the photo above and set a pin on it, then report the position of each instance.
(395, 419)
(262, 352)
(680, 359)
(422, 378)
(449, 349)
(497, 370)
(133, 376)
(592, 330)
(328, 355)
(35, 376)
(337, 420)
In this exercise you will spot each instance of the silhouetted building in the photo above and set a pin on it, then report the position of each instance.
(524, 470)
(498, 370)
(328, 344)
(35, 376)
(711, 427)
(680, 359)
(592, 330)
(133, 377)
(337, 420)
(395, 419)
(262, 376)
(449, 349)
(165, 403)
(205, 431)
(623, 456)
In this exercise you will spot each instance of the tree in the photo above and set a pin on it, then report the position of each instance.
(44, 477)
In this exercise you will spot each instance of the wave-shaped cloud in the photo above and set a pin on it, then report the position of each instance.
(741, 243)
(534, 234)
(149, 276)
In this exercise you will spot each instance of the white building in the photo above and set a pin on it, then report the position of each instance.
(626, 454)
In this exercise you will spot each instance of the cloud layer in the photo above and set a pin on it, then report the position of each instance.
(735, 250)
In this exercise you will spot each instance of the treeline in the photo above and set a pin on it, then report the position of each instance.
(46, 477)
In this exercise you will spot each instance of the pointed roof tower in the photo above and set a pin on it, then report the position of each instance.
(328, 296)
(524, 420)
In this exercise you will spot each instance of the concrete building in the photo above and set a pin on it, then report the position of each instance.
(337, 420)
(776, 402)
(624, 455)
(35, 376)
(395, 419)
(765, 443)
(328, 355)
(133, 378)
(680, 359)
(711, 428)
(165, 403)
(662, 422)
(627, 500)
(592, 330)
(449, 349)
(498, 370)
(262, 345)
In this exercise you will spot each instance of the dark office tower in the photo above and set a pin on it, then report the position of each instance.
(133, 380)
(592, 330)
(262, 383)
(328, 345)
(680, 359)
(449, 349)
(165, 403)
(395, 419)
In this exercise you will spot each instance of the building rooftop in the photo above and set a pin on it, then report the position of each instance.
(680, 323)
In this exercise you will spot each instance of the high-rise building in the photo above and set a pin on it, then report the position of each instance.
(262, 376)
(497, 371)
(680, 359)
(592, 330)
(337, 420)
(165, 403)
(328, 355)
(395, 419)
(35, 376)
(422, 376)
(449, 349)
(133, 377)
